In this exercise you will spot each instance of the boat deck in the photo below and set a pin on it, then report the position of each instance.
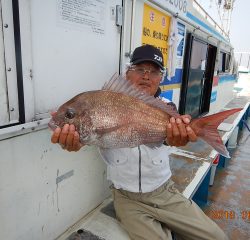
(229, 197)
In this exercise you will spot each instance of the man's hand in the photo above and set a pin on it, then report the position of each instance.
(178, 134)
(68, 138)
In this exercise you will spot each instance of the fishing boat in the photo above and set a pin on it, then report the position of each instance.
(52, 50)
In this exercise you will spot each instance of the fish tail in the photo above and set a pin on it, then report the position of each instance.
(206, 129)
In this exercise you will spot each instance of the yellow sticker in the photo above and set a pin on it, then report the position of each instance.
(155, 30)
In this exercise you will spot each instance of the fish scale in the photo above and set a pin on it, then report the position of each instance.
(118, 114)
(138, 121)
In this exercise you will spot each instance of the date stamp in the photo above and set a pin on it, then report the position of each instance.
(230, 215)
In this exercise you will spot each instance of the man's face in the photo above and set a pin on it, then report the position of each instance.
(145, 81)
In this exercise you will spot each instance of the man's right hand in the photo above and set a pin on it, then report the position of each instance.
(68, 138)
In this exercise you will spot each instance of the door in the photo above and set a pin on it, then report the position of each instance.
(197, 77)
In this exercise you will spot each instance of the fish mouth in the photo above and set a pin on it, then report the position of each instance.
(52, 126)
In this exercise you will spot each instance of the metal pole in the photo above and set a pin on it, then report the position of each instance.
(199, 1)
(132, 27)
(240, 58)
(229, 17)
(248, 61)
(200, 7)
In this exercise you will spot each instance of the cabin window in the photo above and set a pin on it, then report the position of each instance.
(227, 61)
(224, 62)
(221, 62)
(197, 78)
(198, 56)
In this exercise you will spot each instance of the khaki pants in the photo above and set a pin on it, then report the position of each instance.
(152, 216)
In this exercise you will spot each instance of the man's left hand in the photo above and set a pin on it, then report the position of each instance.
(178, 134)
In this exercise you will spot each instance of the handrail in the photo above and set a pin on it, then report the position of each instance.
(25, 128)
(216, 24)
(243, 52)
(248, 65)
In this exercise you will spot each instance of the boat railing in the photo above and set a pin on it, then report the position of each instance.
(210, 19)
(248, 65)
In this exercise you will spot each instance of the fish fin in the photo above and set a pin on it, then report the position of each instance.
(107, 85)
(154, 144)
(121, 85)
(206, 129)
(116, 84)
(107, 156)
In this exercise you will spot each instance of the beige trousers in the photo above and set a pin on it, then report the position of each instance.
(152, 216)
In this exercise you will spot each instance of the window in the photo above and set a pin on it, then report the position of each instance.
(224, 62)
(197, 78)
(227, 61)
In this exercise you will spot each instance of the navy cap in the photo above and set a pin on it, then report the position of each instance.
(147, 53)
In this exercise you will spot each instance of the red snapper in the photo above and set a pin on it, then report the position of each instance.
(121, 115)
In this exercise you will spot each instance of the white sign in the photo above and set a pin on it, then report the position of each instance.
(180, 44)
(84, 15)
(177, 6)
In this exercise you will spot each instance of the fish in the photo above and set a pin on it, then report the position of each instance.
(123, 116)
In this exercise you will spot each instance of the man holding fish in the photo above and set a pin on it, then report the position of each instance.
(147, 204)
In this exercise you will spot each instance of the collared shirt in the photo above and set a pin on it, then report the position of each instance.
(140, 169)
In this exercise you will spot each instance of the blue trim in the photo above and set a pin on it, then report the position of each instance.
(201, 193)
(226, 78)
(174, 80)
(195, 19)
(167, 94)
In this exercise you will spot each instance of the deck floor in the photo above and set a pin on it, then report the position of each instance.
(229, 197)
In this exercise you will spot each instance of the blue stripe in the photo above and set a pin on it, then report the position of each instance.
(226, 78)
(174, 80)
(195, 19)
(167, 94)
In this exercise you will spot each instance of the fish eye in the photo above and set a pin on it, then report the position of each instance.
(69, 114)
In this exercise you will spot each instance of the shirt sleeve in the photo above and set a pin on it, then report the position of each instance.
(169, 103)
(173, 105)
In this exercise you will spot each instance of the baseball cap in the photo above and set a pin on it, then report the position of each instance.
(147, 53)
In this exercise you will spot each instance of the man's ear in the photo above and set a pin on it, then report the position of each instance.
(128, 75)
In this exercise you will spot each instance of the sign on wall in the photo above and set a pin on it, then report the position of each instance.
(84, 15)
(214, 90)
(176, 80)
(155, 30)
(213, 96)
(180, 44)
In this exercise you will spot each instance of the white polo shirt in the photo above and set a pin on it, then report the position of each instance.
(140, 169)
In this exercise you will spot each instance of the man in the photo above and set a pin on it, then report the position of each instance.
(147, 204)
